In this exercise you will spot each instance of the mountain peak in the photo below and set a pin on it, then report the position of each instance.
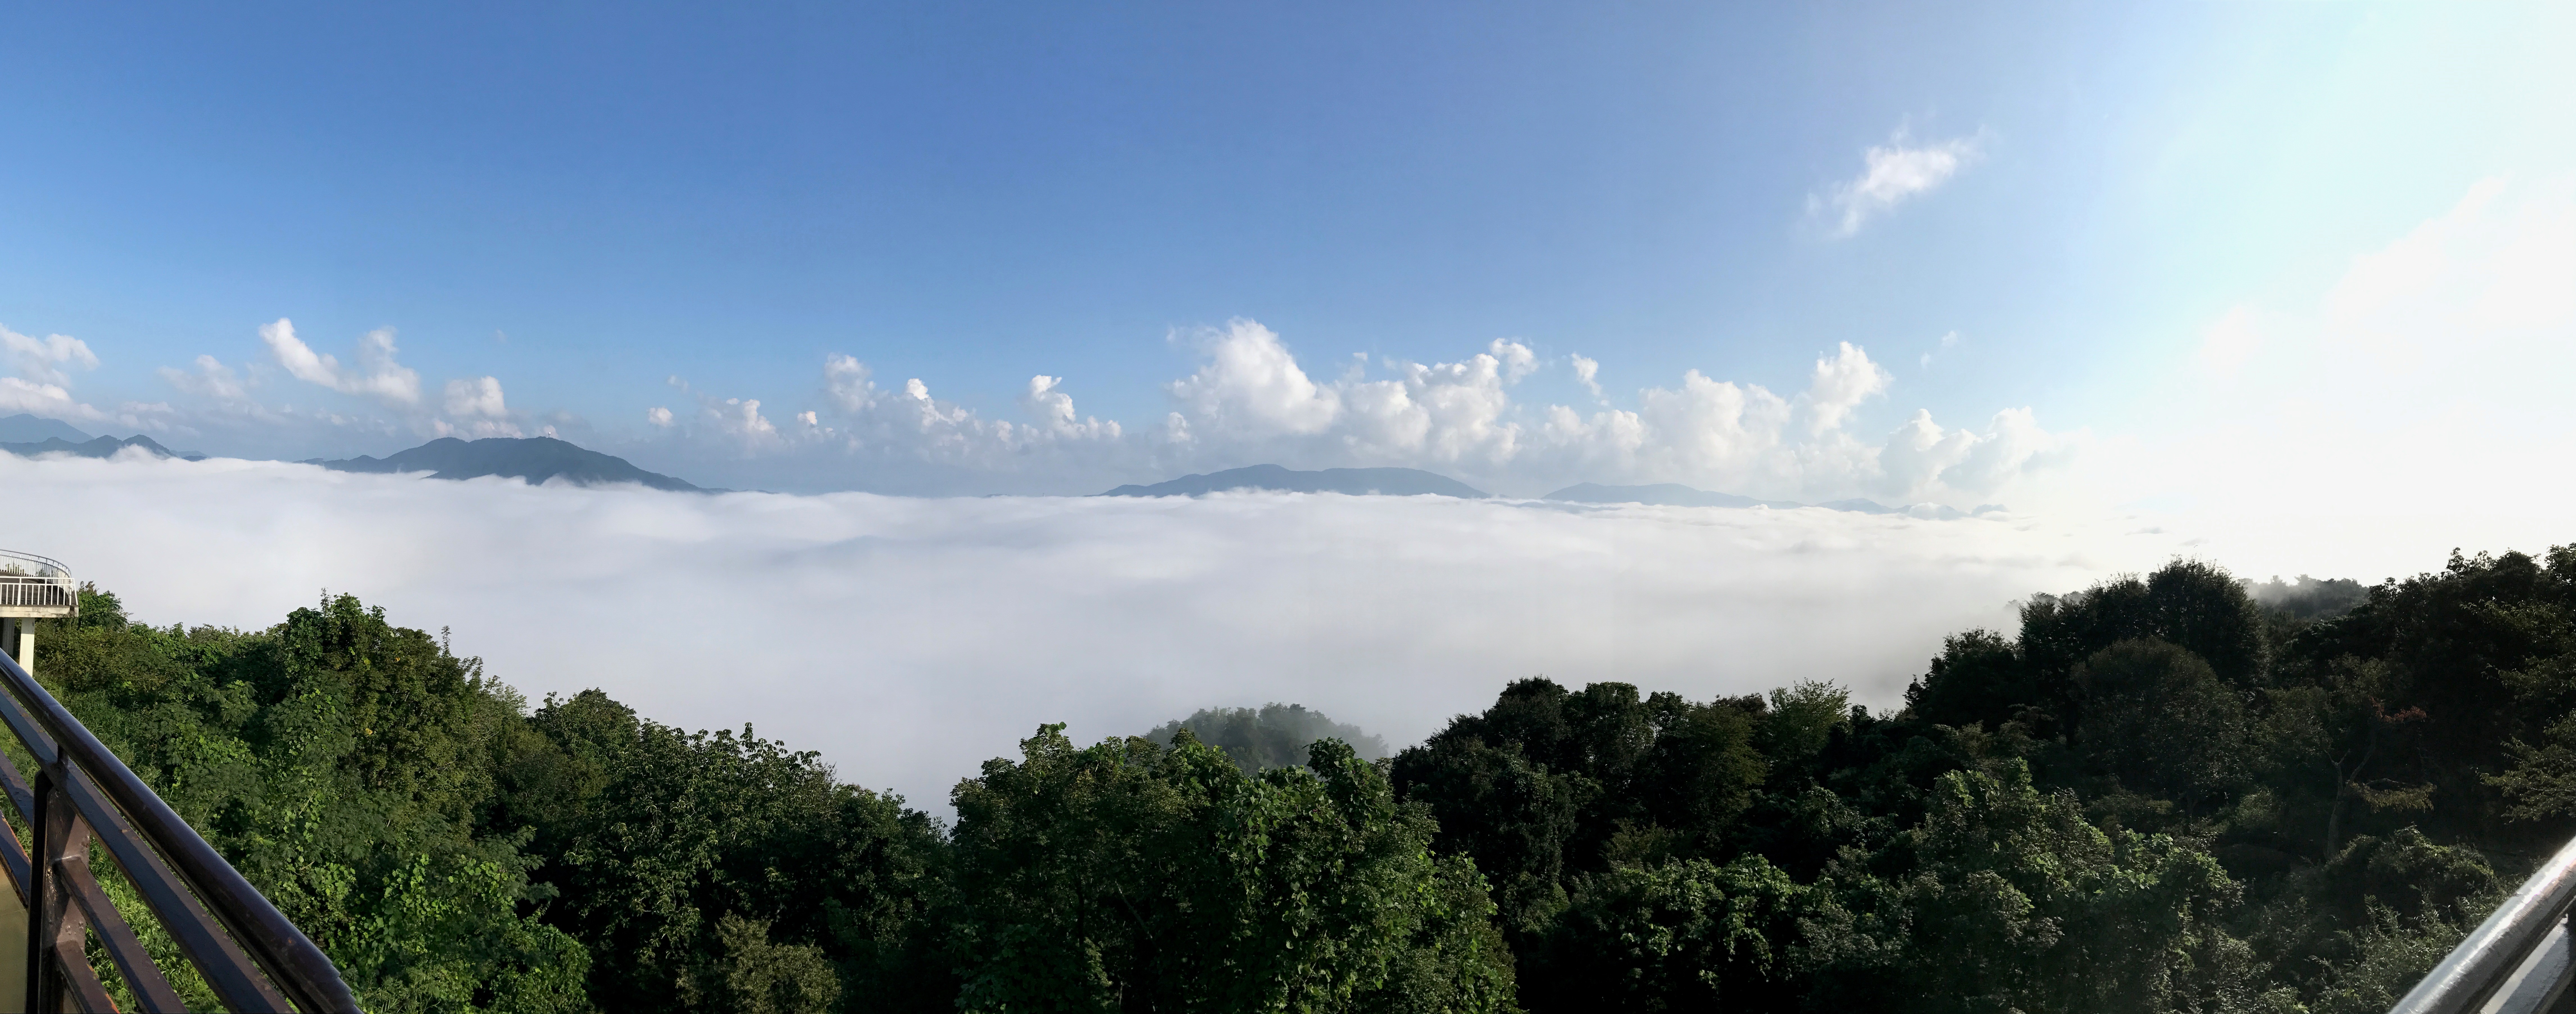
(533, 459)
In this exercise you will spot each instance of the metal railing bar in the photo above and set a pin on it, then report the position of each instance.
(16, 784)
(2493, 951)
(292, 962)
(14, 856)
(219, 957)
(151, 989)
(38, 744)
(86, 991)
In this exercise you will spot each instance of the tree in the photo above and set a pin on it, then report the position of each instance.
(2159, 719)
(1979, 677)
(2005, 898)
(1276, 736)
(1134, 876)
(1685, 934)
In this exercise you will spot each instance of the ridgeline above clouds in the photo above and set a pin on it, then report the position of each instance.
(538, 460)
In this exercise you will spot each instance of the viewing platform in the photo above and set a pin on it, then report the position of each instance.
(32, 588)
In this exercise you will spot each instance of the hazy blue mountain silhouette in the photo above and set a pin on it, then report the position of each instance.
(35, 429)
(535, 459)
(1663, 494)
(1354, 481)
(92, 447)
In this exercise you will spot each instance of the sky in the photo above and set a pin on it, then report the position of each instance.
(286, 232)
(2290, 286)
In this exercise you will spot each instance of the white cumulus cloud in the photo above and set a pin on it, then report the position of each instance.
(1251, 386)
(377, 374)
(1892, 174)
(43, 360)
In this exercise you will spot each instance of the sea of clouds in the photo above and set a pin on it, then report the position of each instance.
(910, 639)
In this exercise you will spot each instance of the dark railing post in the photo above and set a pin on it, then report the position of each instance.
(59, 976)
(44, 990)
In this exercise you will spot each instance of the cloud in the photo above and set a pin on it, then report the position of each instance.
(911, 639)
(475, 410)
(1586, 373)
(212, 379)
(1249, 400)
(1252, 387)
(846, 380)
(739, 418)
(1894, 173)
(1840, 383)
(1923, 461)
(1052, 411)
(42, 387)
(42, 361)
(377, 374)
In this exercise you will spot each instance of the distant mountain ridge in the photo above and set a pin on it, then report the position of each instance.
(25, 428)
(1673, 494)
(1276, 478)
(94, 447)
(534, 459)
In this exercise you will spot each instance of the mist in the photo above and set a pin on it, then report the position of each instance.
(909, 640)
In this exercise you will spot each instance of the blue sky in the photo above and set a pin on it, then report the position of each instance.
(607, 211)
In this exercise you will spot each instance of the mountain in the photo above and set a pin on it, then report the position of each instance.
(1662, 494)
(33, 429)
(88, 447)
(1354, 481)
(535, 459)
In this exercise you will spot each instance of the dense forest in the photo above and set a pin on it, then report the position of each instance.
(2177, 791)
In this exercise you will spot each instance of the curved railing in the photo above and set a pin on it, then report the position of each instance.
(37, 582)
(2516, 962)
(246, 951)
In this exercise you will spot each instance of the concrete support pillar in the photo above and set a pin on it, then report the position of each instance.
(18, 639)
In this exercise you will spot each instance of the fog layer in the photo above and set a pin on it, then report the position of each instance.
(911, 639)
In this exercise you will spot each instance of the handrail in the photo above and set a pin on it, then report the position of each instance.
(49, 587)
(46, 562)
(2510, 941)
(244, 948)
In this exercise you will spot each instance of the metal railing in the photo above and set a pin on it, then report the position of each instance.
(244, 949)
(35, 581)
(2517, 961)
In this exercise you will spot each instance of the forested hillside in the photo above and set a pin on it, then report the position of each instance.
(2171, 792)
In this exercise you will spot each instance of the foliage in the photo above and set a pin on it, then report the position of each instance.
(1134, 876)
(1275, 736)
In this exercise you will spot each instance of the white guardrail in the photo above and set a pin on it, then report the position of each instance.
(28, 581)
